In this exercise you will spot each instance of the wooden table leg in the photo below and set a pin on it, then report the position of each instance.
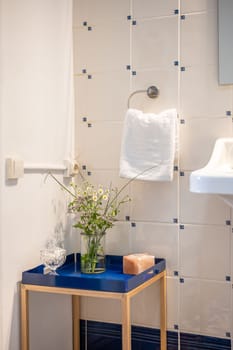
(126, 324)
(163, 313)
(24, 319)
(76, 321)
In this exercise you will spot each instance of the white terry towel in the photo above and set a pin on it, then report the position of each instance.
(148, 145)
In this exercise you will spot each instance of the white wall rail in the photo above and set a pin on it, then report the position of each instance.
(15, 168)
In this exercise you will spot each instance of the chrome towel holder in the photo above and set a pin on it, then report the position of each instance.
(152, 92)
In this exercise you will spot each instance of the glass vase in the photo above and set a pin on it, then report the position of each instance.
(92, 252)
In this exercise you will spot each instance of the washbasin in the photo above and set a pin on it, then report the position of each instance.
(217, 176)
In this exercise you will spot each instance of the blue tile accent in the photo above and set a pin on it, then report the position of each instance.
(84, 119)
(228, 112)
(176, 12)
(201, 342)
(176, 273)
(101, 336)
(134, 72)
(82, 334)
(89, 125)
(228, 222)
(85, 23)
(181, 280)
(84, 71)
(129, 17)
(84, 167)
(175, 220)
(182, 121)
(182, 69)
(134, 23)
(89, 76)
(176, 168)
(228, 278)
(182, 17)
(127, 218)
(89, 173)
(176, 63)
(133, 224)
(181, 173)
(89, 28)
(105, 336)
(181, 227)
(128, 66)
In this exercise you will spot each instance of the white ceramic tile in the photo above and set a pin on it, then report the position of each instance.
(215, 305)
(80, 37)
(197, 139)
(99, 146)
(110, 178)
(145, 307)
(232, 257)
(83, 308)
(72, 235)
(205, 251)
(201, 208)
(154, 8)
(104, 96)
(172, 302)
(95, 12)
(197, 5)
(118, 239)
(199, 44)
(190, 299)
(145, 310)
(154, 43)
(168, 96)
(159, 240)
(156, 201)
(201, 95)
(102, 309)
(205, 307)
(104, 48)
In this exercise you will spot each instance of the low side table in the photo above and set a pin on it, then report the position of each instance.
(150, 278)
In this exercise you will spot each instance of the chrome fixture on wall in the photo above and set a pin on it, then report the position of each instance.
(152, 92)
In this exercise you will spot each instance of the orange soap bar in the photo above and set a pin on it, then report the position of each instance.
(137, 263)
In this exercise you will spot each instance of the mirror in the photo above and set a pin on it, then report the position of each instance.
(225, 38)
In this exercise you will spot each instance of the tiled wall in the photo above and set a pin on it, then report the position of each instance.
(125, 45)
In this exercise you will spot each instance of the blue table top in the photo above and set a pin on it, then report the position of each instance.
(112, 280)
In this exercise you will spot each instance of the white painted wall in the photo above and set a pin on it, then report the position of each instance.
(35, 121)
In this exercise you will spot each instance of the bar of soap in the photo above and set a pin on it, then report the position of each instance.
(134, 264)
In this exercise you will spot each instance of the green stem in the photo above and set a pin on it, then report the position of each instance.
(62, 186)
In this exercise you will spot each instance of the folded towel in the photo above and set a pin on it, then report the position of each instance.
(148, 145)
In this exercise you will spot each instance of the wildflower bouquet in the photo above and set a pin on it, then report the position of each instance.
(97, 209)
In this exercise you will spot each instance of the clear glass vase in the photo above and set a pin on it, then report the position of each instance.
(92, 252)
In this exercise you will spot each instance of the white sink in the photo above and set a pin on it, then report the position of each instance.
(217, 176)
(219, 182)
